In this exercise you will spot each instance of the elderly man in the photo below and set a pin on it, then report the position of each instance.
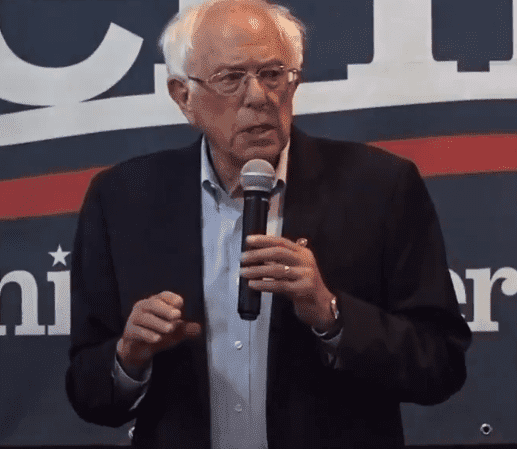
(358, 310)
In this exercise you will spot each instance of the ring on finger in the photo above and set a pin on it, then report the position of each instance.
(302, 242)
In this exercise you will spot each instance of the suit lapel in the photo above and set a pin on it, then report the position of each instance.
(302, 197)
(179, 262)
(182, 223)
(302, 218)
(301, 209)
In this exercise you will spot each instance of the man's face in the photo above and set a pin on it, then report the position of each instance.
(255, 122)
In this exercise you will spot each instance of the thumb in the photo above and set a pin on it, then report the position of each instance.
(191, 330)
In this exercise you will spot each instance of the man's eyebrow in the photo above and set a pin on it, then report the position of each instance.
(230, 67)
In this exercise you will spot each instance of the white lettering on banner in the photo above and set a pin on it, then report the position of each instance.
(29, 303)
(402, 72)
(29, 294)
(138, 111)
(25, 83)
(483, 284)
(61, 280)
(482, 294)
(481, 299)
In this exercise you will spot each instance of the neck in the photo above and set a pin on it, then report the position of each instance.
(228, 171)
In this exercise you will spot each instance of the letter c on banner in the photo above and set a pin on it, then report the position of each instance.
(25, 83)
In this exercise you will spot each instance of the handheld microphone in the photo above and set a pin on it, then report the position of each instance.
(257, 179)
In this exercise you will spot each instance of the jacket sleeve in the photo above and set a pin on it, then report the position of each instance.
(97, 322)
(411, 343)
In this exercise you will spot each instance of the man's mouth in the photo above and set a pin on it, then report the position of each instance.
(258, 129)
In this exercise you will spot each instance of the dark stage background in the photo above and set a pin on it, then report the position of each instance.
(82, 87)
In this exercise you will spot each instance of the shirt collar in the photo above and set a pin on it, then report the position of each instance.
(208, 175)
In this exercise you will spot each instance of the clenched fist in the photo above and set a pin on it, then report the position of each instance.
(155, 324)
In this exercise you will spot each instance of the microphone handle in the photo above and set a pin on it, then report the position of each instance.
(256, 206)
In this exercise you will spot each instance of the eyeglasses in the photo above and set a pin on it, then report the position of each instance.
(229, 82)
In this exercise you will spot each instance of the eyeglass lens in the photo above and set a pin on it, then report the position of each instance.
(231, 81)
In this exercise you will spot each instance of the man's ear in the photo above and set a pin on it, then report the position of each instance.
(179, 92)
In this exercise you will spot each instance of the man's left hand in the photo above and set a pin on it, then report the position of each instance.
(278, 265)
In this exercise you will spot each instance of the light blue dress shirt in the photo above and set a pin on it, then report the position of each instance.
(237, 349)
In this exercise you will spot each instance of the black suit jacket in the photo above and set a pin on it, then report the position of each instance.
(375, 234)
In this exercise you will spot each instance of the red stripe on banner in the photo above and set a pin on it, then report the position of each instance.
(458, 154)
(63, 193)
(44, 195)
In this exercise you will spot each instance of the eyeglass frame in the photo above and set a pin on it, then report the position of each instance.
(296, 77)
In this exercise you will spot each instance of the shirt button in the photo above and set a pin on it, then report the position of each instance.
(238, 344)
(238, 408)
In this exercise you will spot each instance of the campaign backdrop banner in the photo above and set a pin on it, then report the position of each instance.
(83, 87)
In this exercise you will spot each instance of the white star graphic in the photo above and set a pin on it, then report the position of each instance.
(59, 256)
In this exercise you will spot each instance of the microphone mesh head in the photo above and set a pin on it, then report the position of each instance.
(257, 174)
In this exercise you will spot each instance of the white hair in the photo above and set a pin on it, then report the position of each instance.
(176, 38)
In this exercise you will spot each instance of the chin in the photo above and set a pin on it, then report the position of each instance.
(267, 146)
(269, 153)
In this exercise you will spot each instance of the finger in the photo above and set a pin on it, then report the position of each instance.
(161, 309)
(171, 298)
(276, 271)
(191, 329)
(264, 241)
(299, 287)
(156, 324)
(271, 285)
(280, 255)
(147, 335)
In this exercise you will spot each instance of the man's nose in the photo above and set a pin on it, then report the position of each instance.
(255, 94)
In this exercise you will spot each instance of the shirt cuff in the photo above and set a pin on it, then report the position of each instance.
(332, 342)
(330, 358)
(127, 388)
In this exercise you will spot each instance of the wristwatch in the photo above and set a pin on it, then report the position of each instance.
(333, 308)
(336, 327)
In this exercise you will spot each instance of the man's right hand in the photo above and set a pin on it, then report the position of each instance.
(155, 324)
